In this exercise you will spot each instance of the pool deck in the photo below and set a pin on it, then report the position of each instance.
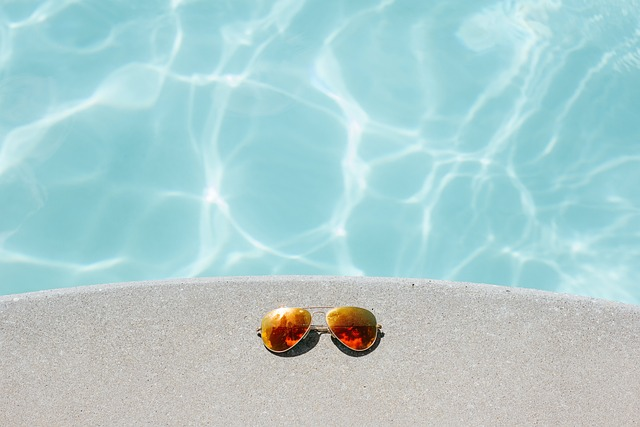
(184, 352)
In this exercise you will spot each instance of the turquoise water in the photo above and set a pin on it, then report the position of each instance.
(485, 141)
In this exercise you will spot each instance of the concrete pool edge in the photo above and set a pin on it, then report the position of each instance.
(483, 287)
(107, 353)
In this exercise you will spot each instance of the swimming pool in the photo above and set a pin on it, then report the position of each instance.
(494, 141)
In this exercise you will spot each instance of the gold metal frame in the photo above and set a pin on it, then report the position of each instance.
(322, 329)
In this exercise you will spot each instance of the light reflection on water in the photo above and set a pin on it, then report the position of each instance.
(495, 141)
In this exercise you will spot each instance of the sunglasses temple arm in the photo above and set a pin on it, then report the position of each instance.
(318, 328)
(325, 329)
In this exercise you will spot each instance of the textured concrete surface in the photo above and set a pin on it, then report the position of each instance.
(186, 352)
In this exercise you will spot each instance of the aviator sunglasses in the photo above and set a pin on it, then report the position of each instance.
(285, 327)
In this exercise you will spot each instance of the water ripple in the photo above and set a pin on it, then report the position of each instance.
(494, 141)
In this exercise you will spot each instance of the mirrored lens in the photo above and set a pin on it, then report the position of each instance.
(285, 327)
(355, 327)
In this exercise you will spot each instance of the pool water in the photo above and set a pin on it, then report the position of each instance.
(484, 141)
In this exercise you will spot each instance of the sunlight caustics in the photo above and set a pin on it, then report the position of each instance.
(491, 141)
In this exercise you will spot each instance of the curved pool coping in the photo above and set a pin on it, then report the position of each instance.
(185, 351)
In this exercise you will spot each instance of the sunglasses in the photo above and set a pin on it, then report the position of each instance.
(285, 327)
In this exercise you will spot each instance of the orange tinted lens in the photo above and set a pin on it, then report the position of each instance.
(285, 327)
(355, 327)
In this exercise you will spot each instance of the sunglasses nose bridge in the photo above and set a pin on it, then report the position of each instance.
(319, 321)
(315, 314)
